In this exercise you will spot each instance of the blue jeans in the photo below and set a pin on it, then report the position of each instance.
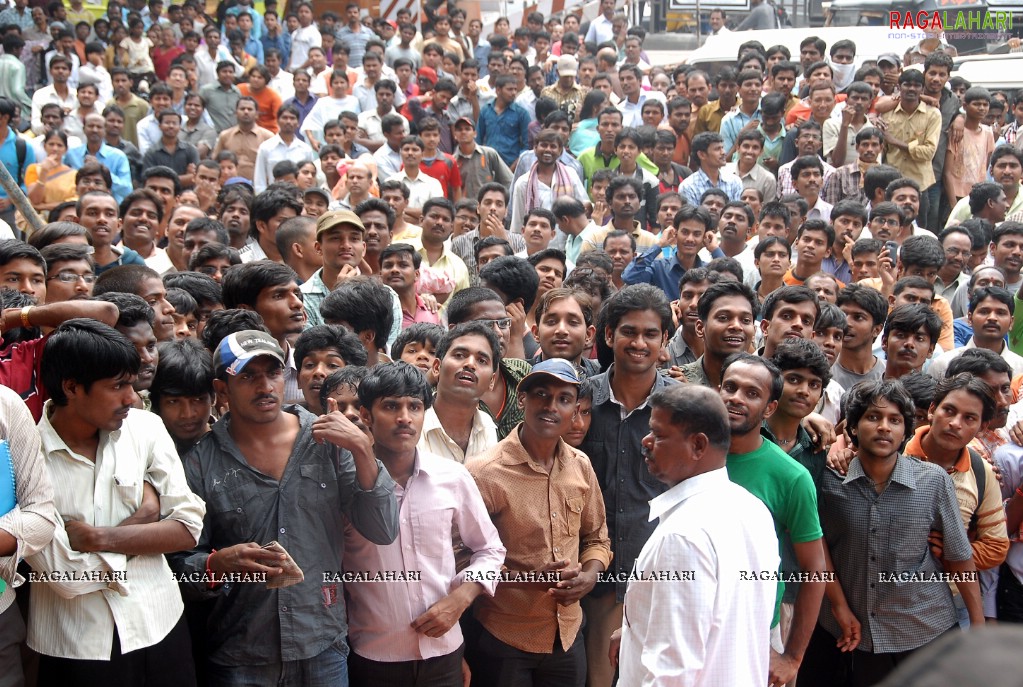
(328, 669)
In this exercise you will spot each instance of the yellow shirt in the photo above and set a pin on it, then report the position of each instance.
(920, 130)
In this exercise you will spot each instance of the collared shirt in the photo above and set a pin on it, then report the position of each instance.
(506, 132)
(304, 38)
(111, 158)
(482, 166)
(593, 236)
(303, 108)
(464, 247)
(274, 150)
(201, 134)
(435, 439)
(820, 210)
(509, 415)
(842, 271)
(679, 351)
(600, 30)
(388, 161)
(920, 130)
(707, 630)
(305, 511)
(135, 110)
(460, 106)
(545, 195)
(733, 122)
(221, 104)
(12, 81)
(831, 130)
(613, 445)
(592, 160)
(758, 177)
(844, 183)
(948, 291)
(314, 291)
(440, 501)
(421, 189)
(573, 95)
(990, 541)
(22, 18)
(448, 263)
(695, 373)
(709, 117)
(282, 42)
(650, 267)
(355, 40)
(183, 155)
(369, 122)
(422, 314)
(48, 95)
(938, 366)
(541, 517)
(632, 112)
(693, 188)
(77, 619)
(33, 521)
(1009, 458)
(961, 212)
(245, 145)
(894, 526)
(785, 186)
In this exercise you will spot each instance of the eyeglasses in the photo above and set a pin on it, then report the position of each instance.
(957, 252)
(503, 323)
(887, 221)
(71, 278)
(210, 270)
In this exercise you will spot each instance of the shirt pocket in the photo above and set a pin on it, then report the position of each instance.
(908, 542)
(128, 491)
(574, 514)
(318, 486)
(433, 534)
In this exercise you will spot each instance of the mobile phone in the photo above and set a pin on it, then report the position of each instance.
(893, 250)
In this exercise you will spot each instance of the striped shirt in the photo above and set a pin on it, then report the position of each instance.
(32, 520)
(139, 598)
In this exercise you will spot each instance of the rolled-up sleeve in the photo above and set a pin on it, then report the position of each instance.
(374, 513)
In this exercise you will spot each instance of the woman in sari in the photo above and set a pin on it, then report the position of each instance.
(50, 182)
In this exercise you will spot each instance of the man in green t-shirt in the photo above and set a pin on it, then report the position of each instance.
(750, 388)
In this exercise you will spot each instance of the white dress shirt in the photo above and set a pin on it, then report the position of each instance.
(135, 594)
(714, 628)
(274, 150)
(284, 84)
(421, 189)
(301, 40)
(45, 96)
(370, 123)
(439, 502)
(435, 439)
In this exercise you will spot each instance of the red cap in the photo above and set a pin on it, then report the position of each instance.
(428, 72)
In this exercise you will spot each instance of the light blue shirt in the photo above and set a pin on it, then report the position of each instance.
(733, 123)
(9, 157)
(111, 158)
(693, 188)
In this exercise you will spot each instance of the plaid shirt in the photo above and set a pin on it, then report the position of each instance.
(893, 527)
(845, 183)
(785, 186)
(464, 246)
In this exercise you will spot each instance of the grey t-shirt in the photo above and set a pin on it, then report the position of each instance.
(760, 17)
(850, 379)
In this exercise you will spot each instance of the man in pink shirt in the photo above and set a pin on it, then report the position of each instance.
(405, 598)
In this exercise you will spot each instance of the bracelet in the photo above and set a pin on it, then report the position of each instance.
(209, 573)
(24, 315)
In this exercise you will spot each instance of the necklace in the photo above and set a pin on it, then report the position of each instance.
(786, 442)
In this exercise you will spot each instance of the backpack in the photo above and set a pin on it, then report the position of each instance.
(977, 466)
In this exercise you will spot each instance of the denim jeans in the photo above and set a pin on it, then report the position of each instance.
(328, 669)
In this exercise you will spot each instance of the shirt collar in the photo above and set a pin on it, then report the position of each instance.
(902, 473)
(915, 448)
(674, 496)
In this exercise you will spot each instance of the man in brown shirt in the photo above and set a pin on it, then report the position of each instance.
(243, 140)
(544, 500)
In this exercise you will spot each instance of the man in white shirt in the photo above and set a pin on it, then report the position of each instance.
(284, 145)
(409, 633)
(711, 532)
(58, 92)
(601, 28)
(467, 360)
(371, 133)
(123, 502)
(305, 37)
(422, 187)
(280, 80)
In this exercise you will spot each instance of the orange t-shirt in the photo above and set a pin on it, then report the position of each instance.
(268, 102)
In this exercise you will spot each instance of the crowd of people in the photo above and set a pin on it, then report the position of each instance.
(351, 351)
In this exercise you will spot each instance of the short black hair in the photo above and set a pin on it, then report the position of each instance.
(394, 380)
(910, 318)
(86, 351)
(327, 336)
(462, 303)
(866, 393)
(978, 361)
(243, 283)
(1001, 295)
(123, 279)
(363, 303)
(721, 289)
(201, 287)
(831, 317)
(777, 383)
(275, 198)
(970, 384)
(796, 354)
(637, 298)
(983, 193)
(225, 322)
(514, 277)
(131, 309)
(57, 253)
(350, 377)
(402, 249)
(422, 333)
(14, 249)
(487, 242)
(922, 251)
(185, 369)
(789, 294)
(471, 329)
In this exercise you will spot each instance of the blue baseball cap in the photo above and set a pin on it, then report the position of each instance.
(558, 368)
(236, 350)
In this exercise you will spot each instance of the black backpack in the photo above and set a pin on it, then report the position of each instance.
(977, 466)
(21, 149)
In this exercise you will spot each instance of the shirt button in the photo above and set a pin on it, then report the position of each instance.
(283, 530)
(238, 510)
(873, 614)
(284, 608)
(323, 485)
(554, 515)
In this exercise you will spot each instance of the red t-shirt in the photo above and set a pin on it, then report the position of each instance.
(444, 169)
(21, 371)
(162, 60)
